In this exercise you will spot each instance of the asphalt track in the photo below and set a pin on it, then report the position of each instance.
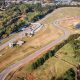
(29, 58)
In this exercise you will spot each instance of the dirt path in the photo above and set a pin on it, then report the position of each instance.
(26, 60)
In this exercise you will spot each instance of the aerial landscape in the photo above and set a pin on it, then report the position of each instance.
(39, 39)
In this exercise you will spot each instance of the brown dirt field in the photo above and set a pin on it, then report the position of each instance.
(43, 37)
(70, 24)
(60, 66)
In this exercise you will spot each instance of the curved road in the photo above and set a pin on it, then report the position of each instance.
(29, 58)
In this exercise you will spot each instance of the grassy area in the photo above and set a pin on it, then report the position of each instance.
(63, 12)
(42, 38)
(31, 15)
(12, 55)
(7, 39)
(53, 67)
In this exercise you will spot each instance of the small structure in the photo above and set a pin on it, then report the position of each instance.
(11, 44)
(20, 43)
(77, 26)
(35, 27)
(23, 29)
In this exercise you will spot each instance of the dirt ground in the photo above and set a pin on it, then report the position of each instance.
(45, 70)
(70, 24)
(55, 66)
(40, 39)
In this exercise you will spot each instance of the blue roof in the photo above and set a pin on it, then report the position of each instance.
(77, 26)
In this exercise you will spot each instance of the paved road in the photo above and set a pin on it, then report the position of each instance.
(29, 58)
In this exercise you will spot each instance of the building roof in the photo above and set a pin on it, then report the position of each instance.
(77, 26)
(20, 42)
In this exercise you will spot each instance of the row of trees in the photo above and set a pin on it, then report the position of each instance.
(51, 53)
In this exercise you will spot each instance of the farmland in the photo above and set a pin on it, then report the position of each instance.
(63, 60)
(55, 67)
(12, 55)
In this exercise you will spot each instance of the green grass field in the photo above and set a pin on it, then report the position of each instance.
(55, 66)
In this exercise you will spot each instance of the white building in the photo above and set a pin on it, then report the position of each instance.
(11, 44)
(20, 43)
(35, 27)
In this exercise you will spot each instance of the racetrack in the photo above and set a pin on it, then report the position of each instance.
(26, 60)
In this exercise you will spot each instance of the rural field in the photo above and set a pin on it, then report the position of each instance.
(62, 61)
(55, 66)
(42, 38)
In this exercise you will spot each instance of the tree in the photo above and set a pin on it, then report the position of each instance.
(34, 65)
(8, 30)
(40, 61)
(51, 53)
(69, 75)
(38, 7)
(46, 56)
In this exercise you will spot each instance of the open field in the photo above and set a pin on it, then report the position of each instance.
(8, 38)
(71, 23)
(65, 12)
(63, 60)
(55, 66)
(62, 12)
(43, 37)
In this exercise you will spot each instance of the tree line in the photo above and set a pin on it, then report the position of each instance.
(51, 53)
(11, 22)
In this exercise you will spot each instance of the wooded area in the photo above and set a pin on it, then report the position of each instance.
(10, 20)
